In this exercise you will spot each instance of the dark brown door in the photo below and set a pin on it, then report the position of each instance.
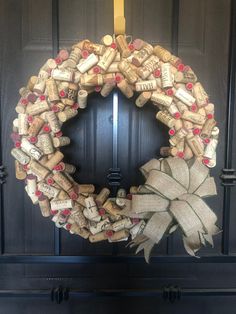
(200, 30)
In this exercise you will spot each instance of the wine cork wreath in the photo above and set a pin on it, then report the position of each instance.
(171, 196)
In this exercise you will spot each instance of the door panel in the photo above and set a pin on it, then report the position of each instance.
(26, 44)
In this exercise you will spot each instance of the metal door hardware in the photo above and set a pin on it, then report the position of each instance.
(3, 174)
(171, 293)
(228, 177)
(59, 294)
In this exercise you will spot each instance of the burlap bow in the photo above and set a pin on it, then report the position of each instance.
(172, 197)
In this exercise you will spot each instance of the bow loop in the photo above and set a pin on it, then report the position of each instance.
(176, 188)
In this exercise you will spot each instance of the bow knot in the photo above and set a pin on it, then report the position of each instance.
(170, 198)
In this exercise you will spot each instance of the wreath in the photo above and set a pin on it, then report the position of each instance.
(174, 186)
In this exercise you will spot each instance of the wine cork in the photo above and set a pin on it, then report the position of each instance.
(180, 145)
(195, 144)
(175, 61)
(44, 206)
(107, 58)
(37, 108)
(91, 80)
(125, 88)
(80, 231)
(61, 204)
(188, 153)
(102, 196)
(142, 55)
(20, 156)
(61, 141)
(165, 118)
(62, 195)
(128, 72)
(54, 160)
(73, 58)
(142, 99)
(67, 114)
(62, 181)
(49, 65)
(60, 106)
(60, 219)
(43, 160)
(211, 148)
(185, 97)
(120, 198)
(53, 121)
(40, 171)
(23, 124)
(193, 117)
(24, 91)
(150, 65)
(82, 97)
(100, 226)
(107, 40)
(69, 168)
(31, 82)
(210, 108)
(52, 90)
(36, 126)
(31, 149)
(166, 75)
(173, 71)
(185, 77)
(15, 126)
(62, 75)
(162, 53)
(149, 85)
(80, 44)
(92, 47)
(20, 108)
(77, 76)
(123, 46)
(46, 144)
(113, 68)
(212, 161)
(137, 229)
(173, 110)
(200, 95)
(63, 54)
(165, 151)
(133, 190)
(215, 133)
(119, 235)
(187, 125)
(161, 99)
(101, 236)
(40, 84)
(117, 57)
(111, 208)
(19, 171)
(107, 88)
(207, 128)
(88, 63)
(108, 77)
(71, 94)
(81, 200)
(31, 184)
(138, 44)
(78, 217)
(91, 210)
(178, 136)
(181, 106)
(86, 188)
